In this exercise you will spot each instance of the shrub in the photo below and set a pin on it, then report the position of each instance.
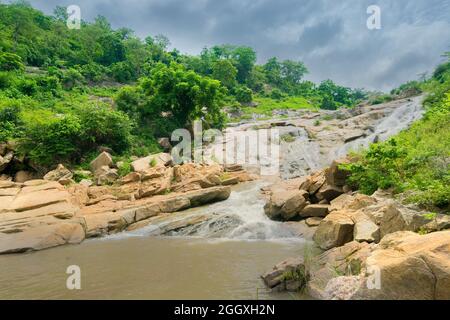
(50, 138)
(244, 94)
(10, 62)
(277, 94)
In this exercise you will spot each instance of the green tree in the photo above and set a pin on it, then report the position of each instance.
(225, 72)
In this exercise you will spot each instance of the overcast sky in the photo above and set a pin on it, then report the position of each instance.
(330, 36)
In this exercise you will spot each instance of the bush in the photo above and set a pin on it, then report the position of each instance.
(50, 138)
(277, 94)
(328, 103)
(10, 62)
(244, 94)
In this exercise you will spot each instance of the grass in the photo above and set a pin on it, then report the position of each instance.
(267, 105)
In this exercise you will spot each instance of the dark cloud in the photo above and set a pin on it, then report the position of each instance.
(330, 36)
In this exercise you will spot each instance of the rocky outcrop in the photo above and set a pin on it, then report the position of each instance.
(306, 197)
(40, 214)
(403, 266)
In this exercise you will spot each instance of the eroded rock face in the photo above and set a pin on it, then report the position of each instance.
(285, 204)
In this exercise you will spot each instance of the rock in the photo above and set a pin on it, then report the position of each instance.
(334, 230)
(328, 192)
(230, 181)
(3, 149)
(131, 177)
(106, 175)
(365, 229)
(104, 223)
(5, 177)
(281, 272)
(5, 160)
(204, 196)
(340, 202)
(66, 181)
(313, 221)
(410, 266)
(23, 176)
(440, 222)
(300, 229)
(165, 144)
(389, 218)
(60, 173)
(159, 159)
(86, 182)
(336, 176)
(342, 288)
(42, 237)
(353, 135)
(314, 210)
(37, 199)
(7, 184)
(103, 159)
(285, 204)
(346, 260)
(232, 167)
(9, 192)
(313, 183)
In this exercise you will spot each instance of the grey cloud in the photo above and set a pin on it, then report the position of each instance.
(329, 36)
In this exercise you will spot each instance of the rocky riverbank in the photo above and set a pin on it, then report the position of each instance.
(373, 247)
(43, 213)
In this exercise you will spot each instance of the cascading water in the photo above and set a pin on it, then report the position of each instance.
(239, 217)
(398, 120)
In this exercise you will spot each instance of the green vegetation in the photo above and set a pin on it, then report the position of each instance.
(416, 161)
(65, 92)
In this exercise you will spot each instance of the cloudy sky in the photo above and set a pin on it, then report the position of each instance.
(330, 36)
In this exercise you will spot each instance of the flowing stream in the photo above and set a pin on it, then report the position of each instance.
(222, 257)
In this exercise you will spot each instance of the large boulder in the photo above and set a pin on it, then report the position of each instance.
(23, 176)
(42, 237)
(410, 267)
(285, 204)
(334, 230)
(328, 192)
(103, 159)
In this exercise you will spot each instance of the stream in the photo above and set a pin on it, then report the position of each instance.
(220, 258)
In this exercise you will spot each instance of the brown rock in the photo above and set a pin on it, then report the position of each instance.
(313, 221)
(23, 176)
(334, 230)
(314, 210)
(60, 173)
(104, 159)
